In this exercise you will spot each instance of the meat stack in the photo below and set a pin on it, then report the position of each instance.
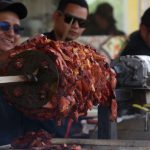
(85, 79)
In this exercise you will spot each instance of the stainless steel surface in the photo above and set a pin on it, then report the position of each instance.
(129, 143)
(95, 144)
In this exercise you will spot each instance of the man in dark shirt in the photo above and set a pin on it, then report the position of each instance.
(12, 123)
(139, 41)
(70, 20)
(102, 21)
(138, 44)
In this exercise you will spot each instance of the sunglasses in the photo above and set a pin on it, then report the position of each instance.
(83, 23)
(5, 26)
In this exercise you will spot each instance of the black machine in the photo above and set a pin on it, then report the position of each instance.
(132, 71)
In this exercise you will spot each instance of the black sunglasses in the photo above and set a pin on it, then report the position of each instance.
(5, 26)
(83, 23)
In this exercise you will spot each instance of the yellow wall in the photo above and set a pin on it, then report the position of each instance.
(132, 15)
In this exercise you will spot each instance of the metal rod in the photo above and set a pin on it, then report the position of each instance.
(17, 78)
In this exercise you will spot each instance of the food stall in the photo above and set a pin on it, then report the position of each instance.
(19, 60)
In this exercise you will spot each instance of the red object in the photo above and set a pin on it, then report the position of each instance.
(85, 79)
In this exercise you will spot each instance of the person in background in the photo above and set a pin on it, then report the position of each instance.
(10, 15)
(137, 44)
(12, 122)
(70, 20)
(139, 41)
(102, 22)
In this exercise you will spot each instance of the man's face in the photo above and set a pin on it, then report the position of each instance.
(63, 21)
(9, 23)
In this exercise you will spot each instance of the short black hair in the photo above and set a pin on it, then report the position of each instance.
(145, 19)
(63, 3)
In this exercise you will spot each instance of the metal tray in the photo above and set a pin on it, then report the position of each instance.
(97, 144)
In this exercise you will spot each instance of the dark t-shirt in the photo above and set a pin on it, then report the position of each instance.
(50, 35)
(136, 46)
(13, 123)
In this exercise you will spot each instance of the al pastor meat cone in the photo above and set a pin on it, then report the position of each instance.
(77, 78)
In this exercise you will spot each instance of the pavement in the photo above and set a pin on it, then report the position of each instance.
(134, 128)
(130, 127)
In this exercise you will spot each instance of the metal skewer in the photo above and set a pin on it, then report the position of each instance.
(18, 78)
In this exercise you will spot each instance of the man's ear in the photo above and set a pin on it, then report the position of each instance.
(143, 29)
(56, 15)
(144, 32)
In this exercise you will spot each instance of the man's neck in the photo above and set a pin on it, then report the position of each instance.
(60, 37)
